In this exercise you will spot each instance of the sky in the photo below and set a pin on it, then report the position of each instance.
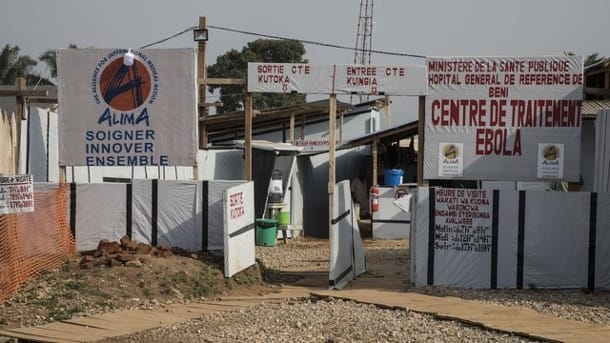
(420, 27)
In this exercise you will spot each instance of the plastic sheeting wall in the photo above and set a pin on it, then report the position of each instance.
(39, 145)
(530, 239)
(157, 212)
(391, 222)
(213, 231)
(313, 174)
(346, 250)
(602, 152)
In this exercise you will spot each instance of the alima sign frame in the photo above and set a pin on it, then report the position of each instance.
(119, 111)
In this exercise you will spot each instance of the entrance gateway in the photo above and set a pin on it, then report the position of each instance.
(333, 80)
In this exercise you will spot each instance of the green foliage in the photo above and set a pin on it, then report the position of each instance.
(49, 58)
(14, 65)
(234, 64)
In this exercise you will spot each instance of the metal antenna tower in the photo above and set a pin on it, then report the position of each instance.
(364, 37)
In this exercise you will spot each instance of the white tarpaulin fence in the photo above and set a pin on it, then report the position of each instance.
(346, 250)
(185, 214)
(602, 152)
(510, 239)
(392, 220)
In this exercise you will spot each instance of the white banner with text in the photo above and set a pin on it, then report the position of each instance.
(337, 79)
(122, 111)
(503, 118)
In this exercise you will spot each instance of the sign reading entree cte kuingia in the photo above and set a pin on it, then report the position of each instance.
(16, 193)
(501, 111)
(117, 111)
(336, 79)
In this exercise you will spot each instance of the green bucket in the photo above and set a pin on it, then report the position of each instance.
(265, 232)
(283, 218)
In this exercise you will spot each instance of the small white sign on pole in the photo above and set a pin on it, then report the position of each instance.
(16, 194)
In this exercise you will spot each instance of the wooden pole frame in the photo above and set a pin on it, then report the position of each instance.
(375, 158)
(332, 118)
(20, 84)
(291, 135)
(249, 115)
(421, 109)
(202, 89)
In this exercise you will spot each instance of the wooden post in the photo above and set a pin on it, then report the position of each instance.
(421, 108)
(375, 159)
(388, 110)
(248, 137)
(291, 128)
(341, 127)
(20, 115)
(202, 86)
(332, 117)
(303, 126)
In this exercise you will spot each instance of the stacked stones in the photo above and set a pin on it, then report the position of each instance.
(127, 253)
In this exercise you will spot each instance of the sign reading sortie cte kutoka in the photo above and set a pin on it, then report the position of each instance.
(337, 79)
(501, 112)
(117, 111)
(290, 78)
(16, 193)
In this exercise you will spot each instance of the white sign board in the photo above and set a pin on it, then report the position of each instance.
(290, 78)
(114, 113)
(500, 109)
(16, 194)
(336, 79)
(463, 232)
(238, 205)
(313, 144)
(382, 80)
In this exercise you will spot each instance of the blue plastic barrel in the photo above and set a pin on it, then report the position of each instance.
(393, 177)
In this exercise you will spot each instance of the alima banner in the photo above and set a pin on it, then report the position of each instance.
(116, 111)
(336, 79)
(503, 118)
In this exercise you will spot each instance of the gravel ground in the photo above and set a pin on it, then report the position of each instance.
(319, 321)
(335, 320)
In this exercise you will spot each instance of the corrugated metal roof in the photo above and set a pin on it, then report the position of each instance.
(591, 107)
(603, 63)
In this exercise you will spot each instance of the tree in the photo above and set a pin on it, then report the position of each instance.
(49, 58)
(234, 64)
(14, 65)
